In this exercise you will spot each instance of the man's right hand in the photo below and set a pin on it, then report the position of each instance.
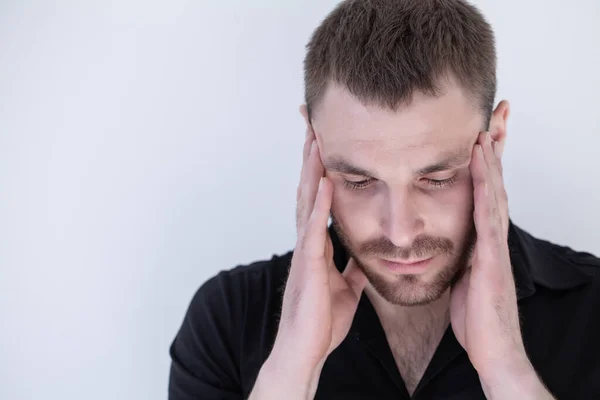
(319, 302)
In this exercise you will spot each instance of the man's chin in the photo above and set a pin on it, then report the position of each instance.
(408, 289)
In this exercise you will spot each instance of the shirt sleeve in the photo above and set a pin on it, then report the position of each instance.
(204, 355)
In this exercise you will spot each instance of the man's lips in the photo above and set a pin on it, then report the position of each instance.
(407, 266)
(408, 262)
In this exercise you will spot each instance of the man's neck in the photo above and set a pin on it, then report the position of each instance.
(413, 333)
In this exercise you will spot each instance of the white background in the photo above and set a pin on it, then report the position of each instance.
(146, 145)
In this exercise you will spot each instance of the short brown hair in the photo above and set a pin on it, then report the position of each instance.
(383, 51)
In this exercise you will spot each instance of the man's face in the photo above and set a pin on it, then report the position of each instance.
(402, 188)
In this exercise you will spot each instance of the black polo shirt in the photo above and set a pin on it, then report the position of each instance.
(231, 325)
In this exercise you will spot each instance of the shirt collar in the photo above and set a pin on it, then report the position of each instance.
(534, 261)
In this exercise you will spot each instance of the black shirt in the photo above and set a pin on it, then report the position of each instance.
(232, 321)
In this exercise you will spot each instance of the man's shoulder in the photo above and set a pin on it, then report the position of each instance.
(243, 289)
(250, 276)
(564, 306)
(578, 259)
(277, 265)
(583, 260)
(556, 266)
(229, 327)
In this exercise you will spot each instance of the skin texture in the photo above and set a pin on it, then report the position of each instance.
(403, 216)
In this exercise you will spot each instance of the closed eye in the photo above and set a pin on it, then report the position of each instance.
(358, 185)
(440, 183)
(365, 183)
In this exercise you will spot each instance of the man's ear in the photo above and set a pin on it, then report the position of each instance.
(498, 124)
(304, 112)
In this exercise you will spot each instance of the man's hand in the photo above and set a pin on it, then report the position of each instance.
(319, 302)
(483, 305)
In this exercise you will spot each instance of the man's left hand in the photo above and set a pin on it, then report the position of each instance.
(483, 305)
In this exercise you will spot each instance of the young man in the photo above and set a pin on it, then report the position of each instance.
(422, 287)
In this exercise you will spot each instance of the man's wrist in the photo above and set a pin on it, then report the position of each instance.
(280, 378)
(514, 378)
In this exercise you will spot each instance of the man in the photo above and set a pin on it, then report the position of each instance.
(421, 287)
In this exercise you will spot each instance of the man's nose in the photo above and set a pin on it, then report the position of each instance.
(402, 221)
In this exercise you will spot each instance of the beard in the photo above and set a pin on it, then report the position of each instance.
(411, 290)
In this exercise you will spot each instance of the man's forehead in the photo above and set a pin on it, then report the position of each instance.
(373, 141)
(426, 143)
(421, 136)
(387, 137)
(344, 123)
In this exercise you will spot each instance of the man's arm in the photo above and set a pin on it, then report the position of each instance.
(483, 304)
(319, 302)
(515, 379)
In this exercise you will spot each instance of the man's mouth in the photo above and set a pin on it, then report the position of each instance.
(412, 266)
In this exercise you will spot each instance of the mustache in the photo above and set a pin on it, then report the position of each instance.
(422, 246)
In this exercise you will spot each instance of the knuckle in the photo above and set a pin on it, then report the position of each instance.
(493, 214)
(479, 184)
(496, 232)
(494, 211)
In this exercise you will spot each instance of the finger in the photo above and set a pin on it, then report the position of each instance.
(315, 233)
(307, 142)
(490, 160)
(302, 203)
(493, 167)
(501, 194)
(312, 175)
(487, 221)
(498, 150)
(355, 277)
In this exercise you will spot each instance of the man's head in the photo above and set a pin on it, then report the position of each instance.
(397, 92)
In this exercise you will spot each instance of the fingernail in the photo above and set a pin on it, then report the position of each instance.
(320, 184)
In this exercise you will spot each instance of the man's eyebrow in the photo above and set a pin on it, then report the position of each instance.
(343, 166)
(338, 164)
(450, 162)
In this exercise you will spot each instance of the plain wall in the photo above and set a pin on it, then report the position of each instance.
(146, 145)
